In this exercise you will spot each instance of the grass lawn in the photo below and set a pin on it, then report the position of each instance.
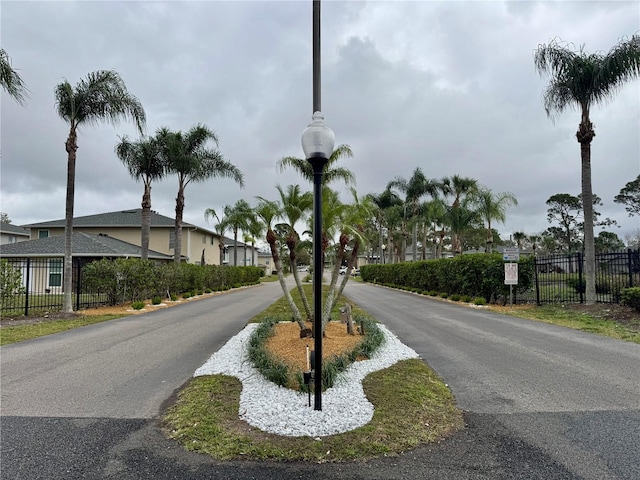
(18, 333)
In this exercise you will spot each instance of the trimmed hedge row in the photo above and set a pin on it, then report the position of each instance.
(474, 275)
(124, 280)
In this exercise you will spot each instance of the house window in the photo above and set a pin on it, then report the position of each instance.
(12, 239)
(211, 239)
(225, 257)
(204, 239)
(172, 239)
(55, 272)
(43, 233)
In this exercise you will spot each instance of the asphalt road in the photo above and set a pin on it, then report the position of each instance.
(542, 402)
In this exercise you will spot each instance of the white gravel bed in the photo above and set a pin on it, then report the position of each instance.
(282, 411)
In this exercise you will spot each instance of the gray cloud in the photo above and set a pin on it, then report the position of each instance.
(447, 86)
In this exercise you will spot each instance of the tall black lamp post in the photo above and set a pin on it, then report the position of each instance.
(317, 142)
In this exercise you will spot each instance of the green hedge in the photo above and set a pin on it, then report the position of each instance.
(124, 280)
(475, 275)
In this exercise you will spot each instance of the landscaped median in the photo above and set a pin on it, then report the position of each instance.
(382, 405)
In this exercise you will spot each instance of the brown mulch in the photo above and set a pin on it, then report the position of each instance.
(287, 345)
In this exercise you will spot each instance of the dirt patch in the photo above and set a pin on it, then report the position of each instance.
(287, 345)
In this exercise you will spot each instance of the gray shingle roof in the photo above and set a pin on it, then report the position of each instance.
(123, 218)
(13, 229)
(84, 245)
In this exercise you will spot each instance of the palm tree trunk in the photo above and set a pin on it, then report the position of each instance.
(178, 225)
(146, 222)
(271, 240)
(585, 135)
(71, 147)
(235, 247)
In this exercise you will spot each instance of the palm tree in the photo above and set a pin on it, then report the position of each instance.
(10, 80)
(187, 155)
(237, 217)
(578, 79)
(414, 189)
(330, 173)
(102, 96)
(492, 207)
(462, 189)
(268, 211)
(220, 228)
(296, 206)
(142, 159)
(519, 237)
(381, 202)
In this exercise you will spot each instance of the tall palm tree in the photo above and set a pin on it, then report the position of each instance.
(10, 80)
(296, 207)
(237, 217)
(492, 206)
(381, 203)
(101, 96)
(219, 228)
(187, 155)
(331, 172)
(519, 238)
(578, 79)
(268, 212)
(463, 190)
(414, 189)
(142, 159)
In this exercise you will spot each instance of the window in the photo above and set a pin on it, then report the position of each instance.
(172, 239)
(55, 272)
(12, 239)
(43, 233)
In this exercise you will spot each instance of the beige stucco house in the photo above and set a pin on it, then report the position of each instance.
(198, 244)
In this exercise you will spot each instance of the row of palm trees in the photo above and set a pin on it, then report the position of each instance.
(577, 79)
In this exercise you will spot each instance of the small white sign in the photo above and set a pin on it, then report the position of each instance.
(510, 273)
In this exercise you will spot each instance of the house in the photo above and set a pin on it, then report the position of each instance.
(10, 233)
(199, 245)
(41, 261)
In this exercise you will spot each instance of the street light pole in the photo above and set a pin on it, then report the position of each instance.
(317, 101)
(317, 142)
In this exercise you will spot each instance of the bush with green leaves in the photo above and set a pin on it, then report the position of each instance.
(138, 305)
(10, 281)
(631, 297)
(475, 275)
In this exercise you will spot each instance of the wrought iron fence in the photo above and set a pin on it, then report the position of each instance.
(560, 277)
(34, 285)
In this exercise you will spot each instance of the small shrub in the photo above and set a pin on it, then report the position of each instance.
(187, 295)
(139, 305)
(444, 295)
(207, 290)
(465, 298)
(479, 301)
(157, 300)
(174, 297)
(433, 293)
(455, 297)
(631, 297)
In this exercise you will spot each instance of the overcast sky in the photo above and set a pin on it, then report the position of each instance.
(449, 87)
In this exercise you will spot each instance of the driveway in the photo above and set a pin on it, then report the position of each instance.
(543, 402)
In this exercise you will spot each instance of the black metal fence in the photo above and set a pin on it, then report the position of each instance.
(34, 285)
(560, 277)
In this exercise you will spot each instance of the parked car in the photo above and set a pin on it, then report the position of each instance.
(343, 270)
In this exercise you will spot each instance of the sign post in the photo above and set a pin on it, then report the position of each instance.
(511, 255)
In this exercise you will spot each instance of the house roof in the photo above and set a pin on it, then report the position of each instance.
(13, 229)
(83, 244)
(122, 218)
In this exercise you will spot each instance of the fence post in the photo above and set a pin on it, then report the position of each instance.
(581, 277)
(26, 288)
(77, 268)
(630, 267)
(535, 275)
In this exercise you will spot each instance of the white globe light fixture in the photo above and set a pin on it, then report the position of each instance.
(318, 139)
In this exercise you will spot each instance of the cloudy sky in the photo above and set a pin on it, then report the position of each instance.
(447, 86)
